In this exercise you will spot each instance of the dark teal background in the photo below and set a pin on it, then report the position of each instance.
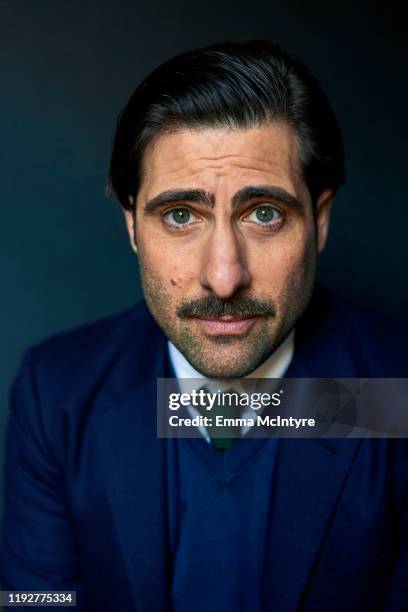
(67, 68)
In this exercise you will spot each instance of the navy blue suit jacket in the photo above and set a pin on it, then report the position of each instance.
(85, 487)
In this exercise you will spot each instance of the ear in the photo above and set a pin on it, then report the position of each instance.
(323, 210)
(130, 219)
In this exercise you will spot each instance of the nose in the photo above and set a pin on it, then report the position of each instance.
(223, 268)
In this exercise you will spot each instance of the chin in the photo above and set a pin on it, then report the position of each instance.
(218, 373)
(224, 368)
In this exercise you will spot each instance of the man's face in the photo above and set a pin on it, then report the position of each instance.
(227, 242)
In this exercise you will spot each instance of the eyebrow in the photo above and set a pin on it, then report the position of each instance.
(278, 194)
(199, 196)
(195, 196)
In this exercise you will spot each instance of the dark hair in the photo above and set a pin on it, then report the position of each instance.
(237, 85)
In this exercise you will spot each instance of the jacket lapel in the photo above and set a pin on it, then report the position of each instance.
(308, 480)
(133, 460)
(309, 473)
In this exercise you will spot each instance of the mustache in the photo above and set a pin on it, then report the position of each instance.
(214, 307)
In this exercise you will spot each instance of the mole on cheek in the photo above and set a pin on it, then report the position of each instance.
(179, 280)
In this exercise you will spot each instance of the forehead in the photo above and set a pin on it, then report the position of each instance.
(223, 159)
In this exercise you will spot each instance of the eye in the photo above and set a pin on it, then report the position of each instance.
(266, 215)
(179, 217)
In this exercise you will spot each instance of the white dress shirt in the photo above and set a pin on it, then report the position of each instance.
(275, 366)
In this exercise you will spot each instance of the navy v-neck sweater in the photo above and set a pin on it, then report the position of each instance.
(219, 505)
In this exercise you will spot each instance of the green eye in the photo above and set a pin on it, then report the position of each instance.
(178, 216)
(181, 215)
(263, 215)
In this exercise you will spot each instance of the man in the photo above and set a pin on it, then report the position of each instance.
(226, 162)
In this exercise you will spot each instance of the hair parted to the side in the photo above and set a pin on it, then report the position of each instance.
(235, 85)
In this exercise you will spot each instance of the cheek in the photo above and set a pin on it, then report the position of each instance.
(177, 281)
(280, 261)
(180, 280)
(166, 260)
(159, 267)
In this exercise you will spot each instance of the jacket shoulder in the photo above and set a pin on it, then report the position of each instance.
(59, 380)
(376, 341)
(88, 339)
(66, 369)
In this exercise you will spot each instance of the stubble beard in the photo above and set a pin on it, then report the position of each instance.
(216, 356)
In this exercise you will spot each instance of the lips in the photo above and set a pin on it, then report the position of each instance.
(227, 326)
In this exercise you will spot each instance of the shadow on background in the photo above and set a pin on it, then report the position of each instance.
(66, 72)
